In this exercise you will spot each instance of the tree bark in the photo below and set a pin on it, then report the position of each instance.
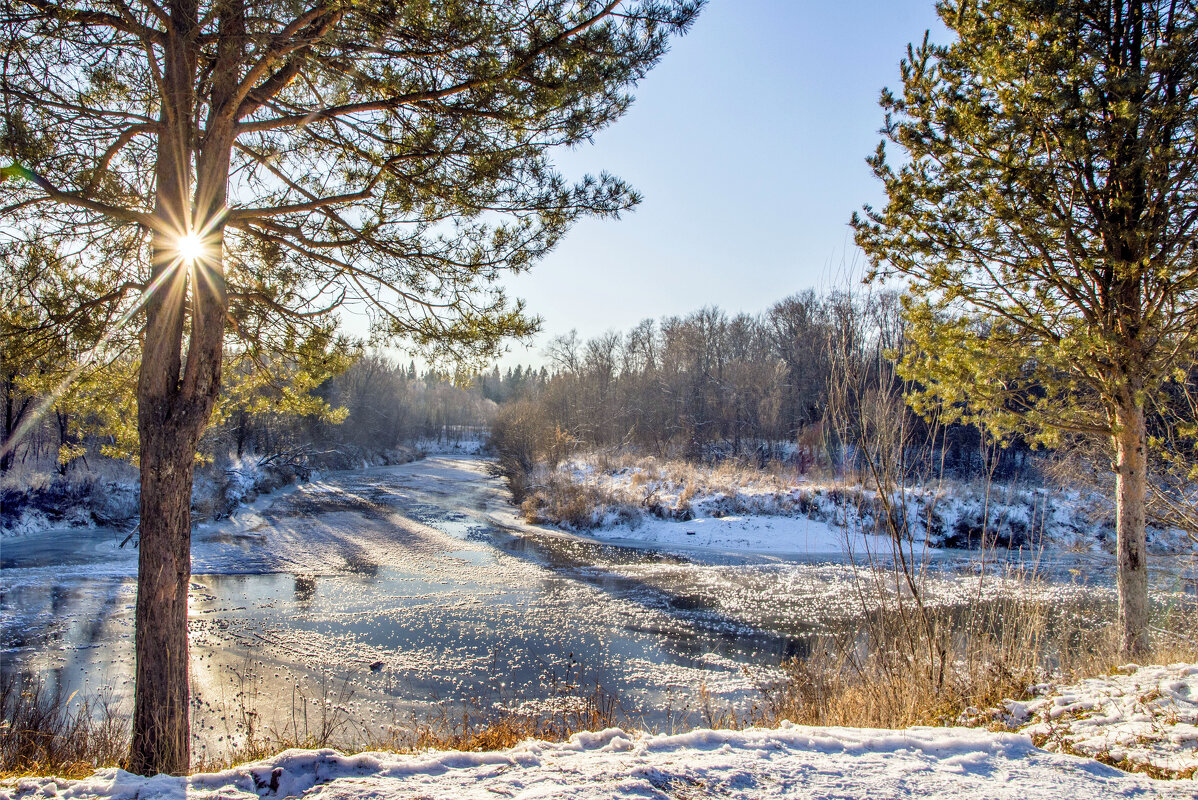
(1131, 486)
(161, 725)
(168, 433)
(174, 405)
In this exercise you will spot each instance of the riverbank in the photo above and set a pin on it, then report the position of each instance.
(786, 761)
(732, 506)
(1141, 720)
(106, 496)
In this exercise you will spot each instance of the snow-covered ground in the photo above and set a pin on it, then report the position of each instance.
(107, 495)
(1139, 718)
(789, 761)
(732, 507)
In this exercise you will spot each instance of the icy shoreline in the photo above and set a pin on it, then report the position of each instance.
(90, 501)
(730, 507)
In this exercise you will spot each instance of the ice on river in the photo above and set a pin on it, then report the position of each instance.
(392, 591)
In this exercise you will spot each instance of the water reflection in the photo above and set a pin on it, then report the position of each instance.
(305, 589)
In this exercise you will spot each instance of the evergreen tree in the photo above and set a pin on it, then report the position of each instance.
(1045, 214)
(241, 167)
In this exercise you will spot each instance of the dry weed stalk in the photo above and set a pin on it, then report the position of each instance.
(912, 662)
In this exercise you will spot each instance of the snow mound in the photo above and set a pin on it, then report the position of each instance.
(788, 761)
(1145, 718)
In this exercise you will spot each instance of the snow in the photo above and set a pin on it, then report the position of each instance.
(749, 533)
(43, 503)
(472, 442)
(788, 761)
(36, 504)
(1139, 717)
(734, 507)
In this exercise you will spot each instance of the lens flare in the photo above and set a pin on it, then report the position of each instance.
(190, 247)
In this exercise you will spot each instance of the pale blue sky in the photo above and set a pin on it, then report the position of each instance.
(748, 143)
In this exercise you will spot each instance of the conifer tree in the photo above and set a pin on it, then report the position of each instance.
(240, 168)
(1045, 214)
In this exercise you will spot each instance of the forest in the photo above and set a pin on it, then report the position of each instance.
(800, 384)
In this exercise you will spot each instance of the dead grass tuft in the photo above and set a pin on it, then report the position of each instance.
(44, 733)
(477, 729)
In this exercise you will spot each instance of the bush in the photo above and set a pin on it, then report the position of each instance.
(520, 439)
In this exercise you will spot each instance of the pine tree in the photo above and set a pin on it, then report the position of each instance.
(240, 168)
(1045, 213)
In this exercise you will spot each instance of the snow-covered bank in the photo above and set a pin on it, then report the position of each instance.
(1140, 718)
(789, 761)
(468, 443)
(109, 497)
(41, 502)
(753, 533)
(736, 507)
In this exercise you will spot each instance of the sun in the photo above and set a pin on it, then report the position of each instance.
(190, 247)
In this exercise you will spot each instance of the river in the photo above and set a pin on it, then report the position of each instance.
(388, 596)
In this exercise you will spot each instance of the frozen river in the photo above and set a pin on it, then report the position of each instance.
(396, 593)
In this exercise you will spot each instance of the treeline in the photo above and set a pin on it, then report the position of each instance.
(375, 403)
(710, 385)
(513, 384)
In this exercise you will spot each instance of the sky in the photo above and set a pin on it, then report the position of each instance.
(748, 143)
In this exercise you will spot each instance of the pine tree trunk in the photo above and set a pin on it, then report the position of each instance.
(161, 732)
(1131, 487)
(168, 431)
(174, 404)
(175, 396)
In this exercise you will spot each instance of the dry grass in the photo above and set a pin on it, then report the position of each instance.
(42, 732)
(727, 476)
(887, 678)
(563, 502)
(623, 488)
(476, 729)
